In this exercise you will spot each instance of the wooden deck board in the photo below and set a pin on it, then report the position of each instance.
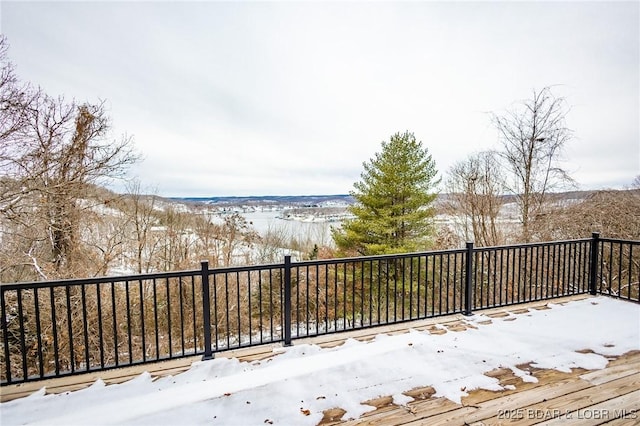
(631, 420)
(613, 371)
(612, 390)
(557, 398)
(581, 399)
(600, 413)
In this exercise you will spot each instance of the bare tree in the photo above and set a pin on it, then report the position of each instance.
(14, 98)
(532, 138)
(141, 217)
(50, 167)
(236, 233)
(175, 240)
(612, 213)
(475, 189)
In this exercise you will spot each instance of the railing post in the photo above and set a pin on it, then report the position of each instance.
(206, 309)
(287, 300)
(593, 262)
(468, 280)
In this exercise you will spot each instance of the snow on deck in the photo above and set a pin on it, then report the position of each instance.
(296, 385)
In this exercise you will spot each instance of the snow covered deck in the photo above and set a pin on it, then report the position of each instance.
(566, 360)
(608, 396)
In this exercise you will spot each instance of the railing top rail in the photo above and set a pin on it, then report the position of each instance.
(231, 269)
(98, 280)
(178, 274)
(376, 257)
(536, 244)
(616, 240)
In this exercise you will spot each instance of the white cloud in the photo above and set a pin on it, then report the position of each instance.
(289, 98)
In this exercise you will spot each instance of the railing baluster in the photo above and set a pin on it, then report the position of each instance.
(455, 280)
(100, 331)
(23, 345)
(114, 323)
(206, 309)
(419, 275)
(448, 281)
(519, 285)
(395, 290)
(552, 263)
(317, 292)
(500, 274)
(156, 326)
(36, 302)
(468, 293)
(344, 295)
(54, 322)
(631, 273)
(507, 277)
(526, 280)
(250, 319)
(353, 294)
(70, 331)
(362, 293)
(479, 280)
(567, 268)
(439, 283)
(620, 270)
(297, 302)
(378, 294)
(287, 300)
(584, 265)
(610, 280)
(573, 249)
(361, 279)
(271, 303)
(193, 316)
(169, 333)
(238, 304)
(533, 277)
(142, 321)
(226, 301)
(492, 272)
(181, 313)
(5, 336)
(129, 337)
(403, 290)
(543, 274)
(85, 326)
(260, 305)
(593, 263)
(307, 312)
(216, 320)
(326, 297)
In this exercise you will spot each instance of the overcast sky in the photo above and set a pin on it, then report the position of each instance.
(284, 98)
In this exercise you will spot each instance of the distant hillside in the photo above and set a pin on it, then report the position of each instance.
(325, 200)
(298, 200)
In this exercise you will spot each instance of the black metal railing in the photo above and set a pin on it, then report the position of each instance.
(618, 268)
(509, 275)
(347, 294)
(66, 327)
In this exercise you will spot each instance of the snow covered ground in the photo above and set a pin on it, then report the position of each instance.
(299, 382)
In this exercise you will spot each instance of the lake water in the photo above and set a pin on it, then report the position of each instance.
(267, 221)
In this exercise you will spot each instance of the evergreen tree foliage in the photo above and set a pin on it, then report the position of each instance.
(393, 212)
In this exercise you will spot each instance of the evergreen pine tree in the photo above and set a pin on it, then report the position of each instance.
(393, 210)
